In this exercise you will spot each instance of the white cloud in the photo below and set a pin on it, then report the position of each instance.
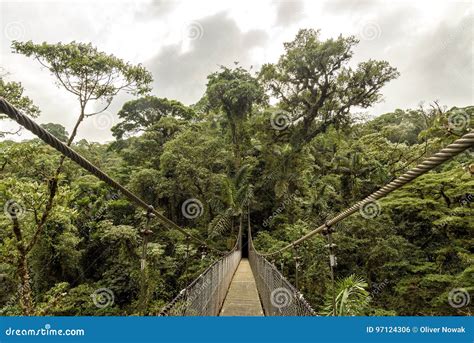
(429, 41)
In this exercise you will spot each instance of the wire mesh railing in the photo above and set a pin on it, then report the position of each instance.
(206, 294)
(278, 296)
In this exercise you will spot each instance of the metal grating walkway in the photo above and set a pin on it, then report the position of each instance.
(242, 298)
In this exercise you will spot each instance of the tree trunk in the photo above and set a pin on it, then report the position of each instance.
(53, 187)
(22, 266)
(24, 292)
(236, 143)
(26, 299)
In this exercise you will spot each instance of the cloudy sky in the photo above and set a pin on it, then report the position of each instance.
(181, 42)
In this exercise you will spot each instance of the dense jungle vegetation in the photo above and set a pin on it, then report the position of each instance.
(290, 142)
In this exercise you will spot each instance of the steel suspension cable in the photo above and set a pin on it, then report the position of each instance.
(51, 140)
(453, 149)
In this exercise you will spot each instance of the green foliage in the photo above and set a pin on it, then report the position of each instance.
(145, 114)
(235, 92)
(56, 130)
(315, 86)
(77, 301)
(351, 297)
(13, 92)
(225, 153)
(86, 72)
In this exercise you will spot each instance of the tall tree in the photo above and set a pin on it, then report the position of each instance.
(13, 92)
(351, 297)
(91, 76)
(317, 88)
(142, 114)
(57, 130)
(87, 73)
(235, 92)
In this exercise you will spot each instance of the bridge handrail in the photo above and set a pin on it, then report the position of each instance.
(278, 296)
(205, 295)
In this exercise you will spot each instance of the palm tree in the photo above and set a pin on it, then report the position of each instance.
(237, 192)
(354, 171)
(352, 298)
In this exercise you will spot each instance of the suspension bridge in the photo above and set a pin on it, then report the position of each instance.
(242, 282)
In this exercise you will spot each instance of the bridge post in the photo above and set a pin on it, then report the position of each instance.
(332, 264)
(146, 232)
(297, 265)
(186, 259)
